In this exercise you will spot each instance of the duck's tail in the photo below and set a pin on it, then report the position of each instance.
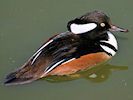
(12, 79)
(25, 74)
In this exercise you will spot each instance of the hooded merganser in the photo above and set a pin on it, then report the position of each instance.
(87, 42)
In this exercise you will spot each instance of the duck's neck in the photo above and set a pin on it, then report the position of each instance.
(110, 45)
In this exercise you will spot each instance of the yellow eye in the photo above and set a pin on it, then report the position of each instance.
(102, 24)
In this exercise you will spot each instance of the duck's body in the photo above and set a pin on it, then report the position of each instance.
(87, 43)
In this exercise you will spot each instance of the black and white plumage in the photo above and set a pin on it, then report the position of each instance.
(88, 41)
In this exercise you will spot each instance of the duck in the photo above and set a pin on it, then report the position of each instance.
(88, 41)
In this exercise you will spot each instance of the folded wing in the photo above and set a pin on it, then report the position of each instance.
(53, 53)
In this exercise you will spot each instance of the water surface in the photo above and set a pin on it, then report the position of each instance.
(26, 24)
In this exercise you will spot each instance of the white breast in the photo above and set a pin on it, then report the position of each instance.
(112, 41)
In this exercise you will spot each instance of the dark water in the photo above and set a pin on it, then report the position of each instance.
(26, 24)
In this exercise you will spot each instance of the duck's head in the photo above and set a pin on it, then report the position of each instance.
(93, 24)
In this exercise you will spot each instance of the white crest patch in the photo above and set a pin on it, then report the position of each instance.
(82, 28)
(112, 41)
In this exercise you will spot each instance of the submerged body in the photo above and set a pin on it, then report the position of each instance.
(88, 42)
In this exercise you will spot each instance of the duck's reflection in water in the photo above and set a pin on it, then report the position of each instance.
(98, 73)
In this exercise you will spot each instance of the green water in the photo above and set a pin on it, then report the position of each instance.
(26, 24)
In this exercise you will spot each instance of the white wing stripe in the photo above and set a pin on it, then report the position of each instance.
(39, 51)
(68, 60)
(53, 66)
(43, 47)
(35, 57)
